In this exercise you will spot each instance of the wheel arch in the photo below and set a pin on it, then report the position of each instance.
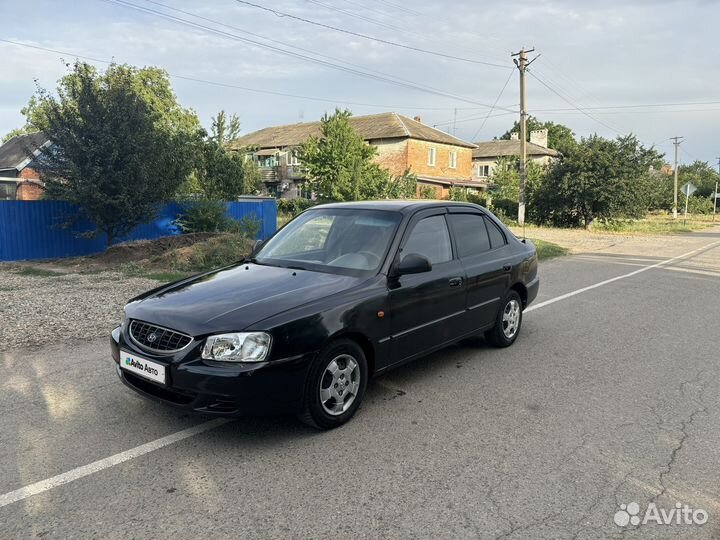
(362, 340)
(522, 291)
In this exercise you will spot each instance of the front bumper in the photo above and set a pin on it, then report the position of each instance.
(212, 388)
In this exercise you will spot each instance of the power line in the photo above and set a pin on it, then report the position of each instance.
(395, 81)
(274, 40)
(642, 105)
(493, 107)
(567, 100)
(400, 8)
(368, 37)
(355, 15)
(472, 119)
(234, 86)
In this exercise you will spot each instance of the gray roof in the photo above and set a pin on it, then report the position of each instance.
(19, 151)
(499, 148)
(388, 125)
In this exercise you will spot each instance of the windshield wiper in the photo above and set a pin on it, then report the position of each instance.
(293, 267)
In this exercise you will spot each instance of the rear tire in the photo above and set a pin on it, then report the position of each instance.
(335, 385)
(507, 322)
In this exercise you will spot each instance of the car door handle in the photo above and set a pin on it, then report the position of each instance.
(455, 281)
(507, 268)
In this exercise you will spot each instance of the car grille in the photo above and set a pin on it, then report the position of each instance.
(158, 339)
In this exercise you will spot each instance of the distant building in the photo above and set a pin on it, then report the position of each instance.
(437, 159)
(485, 157)
(19, 179)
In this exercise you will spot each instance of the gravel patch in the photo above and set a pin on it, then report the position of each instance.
(37, 310)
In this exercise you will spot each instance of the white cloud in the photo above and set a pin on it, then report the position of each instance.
(617, 52)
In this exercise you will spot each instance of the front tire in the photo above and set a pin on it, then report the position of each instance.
(507, 322)
(335, 385)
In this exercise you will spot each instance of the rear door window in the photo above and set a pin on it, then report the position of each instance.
(471, 234)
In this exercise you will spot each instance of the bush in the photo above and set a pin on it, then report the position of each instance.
(203, 216)
(293, 207)
(478, 198)
(211, 216)
(696, 205)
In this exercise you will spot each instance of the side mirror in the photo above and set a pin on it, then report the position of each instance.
(412, 263)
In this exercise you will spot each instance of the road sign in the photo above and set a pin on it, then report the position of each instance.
(688, 189)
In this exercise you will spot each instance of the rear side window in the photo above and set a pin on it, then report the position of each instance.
(430, 238)
(470, 234)
(497, 237)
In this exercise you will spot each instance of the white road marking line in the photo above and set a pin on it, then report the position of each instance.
(96, 466)
(693, 271)
(127, 455)
(617, 278)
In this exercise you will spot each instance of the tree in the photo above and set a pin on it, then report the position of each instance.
(701, 175)
(225, 129)
(219, 173)
(121, 143)
(560, 137)
(339, 165)
(600, 179)
(25, 130)
(505, 189)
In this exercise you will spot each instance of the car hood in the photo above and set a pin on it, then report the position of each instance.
(234, 298)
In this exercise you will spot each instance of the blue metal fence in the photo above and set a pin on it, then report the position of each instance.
(34, 229)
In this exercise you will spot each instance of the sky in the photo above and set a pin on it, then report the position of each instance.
(612, 67)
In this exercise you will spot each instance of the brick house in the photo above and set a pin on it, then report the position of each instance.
(486, 154)
(439, 160)
(19, 179)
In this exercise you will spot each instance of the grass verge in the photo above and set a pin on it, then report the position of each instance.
(656, 225)
(182, 262)
(548, 250)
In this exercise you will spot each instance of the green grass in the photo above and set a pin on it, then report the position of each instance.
(657, 225)
(548, 250)
(37, 272)
(135, 270)
(167, 276)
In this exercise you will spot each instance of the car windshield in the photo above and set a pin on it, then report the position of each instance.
(338, 240)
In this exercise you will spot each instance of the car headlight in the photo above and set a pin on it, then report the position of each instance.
(240, 347)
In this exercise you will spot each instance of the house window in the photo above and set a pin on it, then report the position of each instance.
(453, 159)
(294, 161)
(482, 170)
(8, 190)
(431, 157)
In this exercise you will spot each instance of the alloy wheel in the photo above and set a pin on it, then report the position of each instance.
(511, 318)
(339, 384)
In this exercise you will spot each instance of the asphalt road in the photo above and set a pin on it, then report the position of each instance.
(609, 396)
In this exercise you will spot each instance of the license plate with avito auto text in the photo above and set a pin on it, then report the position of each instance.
(142, 367)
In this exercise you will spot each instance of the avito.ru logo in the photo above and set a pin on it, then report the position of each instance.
(629, 514)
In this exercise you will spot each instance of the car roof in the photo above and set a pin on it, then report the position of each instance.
(402, 205)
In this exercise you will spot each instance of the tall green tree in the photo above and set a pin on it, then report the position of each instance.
(225, 128)
(560, 137)
(339, 165)
(121, 143)
(505, 189)
(600, 179)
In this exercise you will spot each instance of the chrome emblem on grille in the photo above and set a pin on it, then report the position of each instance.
(152, 337)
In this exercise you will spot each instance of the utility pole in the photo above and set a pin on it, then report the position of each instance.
(522, 63)
(676, 141)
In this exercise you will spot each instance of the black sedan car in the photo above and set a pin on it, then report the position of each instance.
(342, 293)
